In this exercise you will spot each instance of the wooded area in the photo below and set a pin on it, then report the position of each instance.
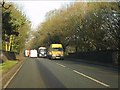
(78, 26)
(82, 27)
(86, 26)
(15, 28)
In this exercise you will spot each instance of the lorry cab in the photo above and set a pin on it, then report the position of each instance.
(56, 51)
(27, 53)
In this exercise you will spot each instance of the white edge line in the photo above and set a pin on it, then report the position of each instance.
(61, 65)
(12, 77)
(92, 79)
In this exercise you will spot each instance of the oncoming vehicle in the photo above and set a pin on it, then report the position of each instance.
(56, 51)
(33, 53)
(27, 53)
(42, 52)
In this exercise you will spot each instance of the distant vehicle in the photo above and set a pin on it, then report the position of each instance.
(33, 53)
(56, 51)
(42, 52)
(27, 53)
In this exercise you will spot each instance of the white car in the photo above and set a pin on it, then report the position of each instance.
(42, 52)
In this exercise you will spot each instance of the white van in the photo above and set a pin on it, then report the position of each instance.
(33, 53)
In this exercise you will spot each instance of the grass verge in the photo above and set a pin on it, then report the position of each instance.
(4, 67)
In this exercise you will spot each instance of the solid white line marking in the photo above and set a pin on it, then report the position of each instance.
(92, 79)
(61, 65)
(12, 76)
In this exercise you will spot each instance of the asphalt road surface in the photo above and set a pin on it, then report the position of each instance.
(44, 73)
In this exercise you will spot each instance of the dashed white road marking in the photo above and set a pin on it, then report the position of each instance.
(61, 65)
(92, 78)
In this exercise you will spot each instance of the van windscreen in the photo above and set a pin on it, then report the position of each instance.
(57, 49)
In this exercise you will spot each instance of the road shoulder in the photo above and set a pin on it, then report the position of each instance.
(8, 75)
(116, 68)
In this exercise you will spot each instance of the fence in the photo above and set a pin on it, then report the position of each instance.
(108, 56)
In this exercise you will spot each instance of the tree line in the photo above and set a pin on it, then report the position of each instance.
(15, 28)
(85, 26)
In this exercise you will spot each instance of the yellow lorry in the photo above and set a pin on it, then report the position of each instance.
(55, 51)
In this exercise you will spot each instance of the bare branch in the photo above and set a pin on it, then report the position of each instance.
(3, 5)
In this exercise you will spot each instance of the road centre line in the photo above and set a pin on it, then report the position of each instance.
(61, 65)
(92, 78)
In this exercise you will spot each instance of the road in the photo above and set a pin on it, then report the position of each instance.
(44, 73)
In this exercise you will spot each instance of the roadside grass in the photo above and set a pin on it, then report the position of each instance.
(4, 67)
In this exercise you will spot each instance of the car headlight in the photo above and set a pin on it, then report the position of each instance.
(62, 55)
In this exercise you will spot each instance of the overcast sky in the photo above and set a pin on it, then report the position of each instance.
(36, 10)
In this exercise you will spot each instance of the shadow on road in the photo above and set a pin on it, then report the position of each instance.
(50, 80)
